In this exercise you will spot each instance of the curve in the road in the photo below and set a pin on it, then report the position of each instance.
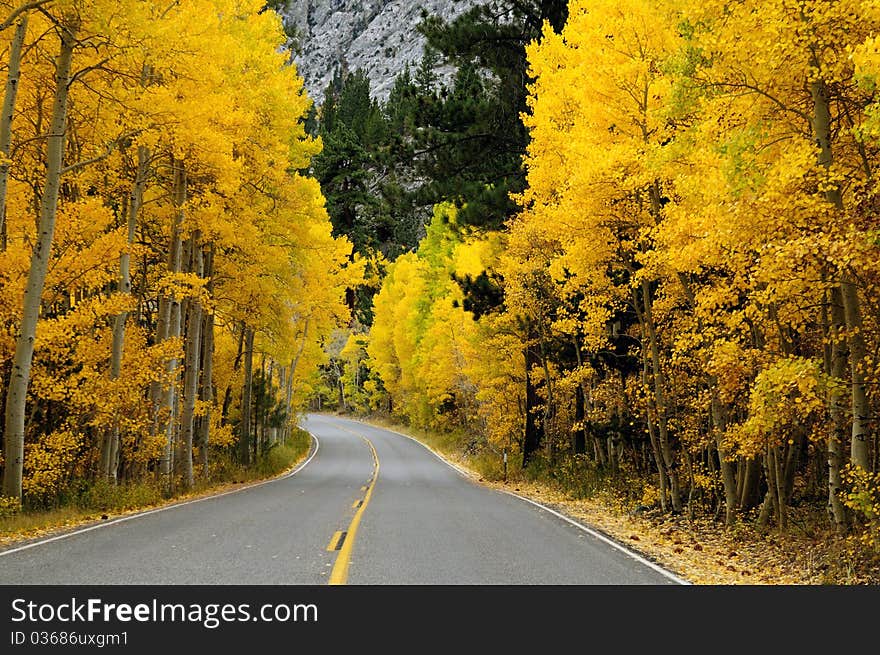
(421, 522)
(430, 522)
(594, 533)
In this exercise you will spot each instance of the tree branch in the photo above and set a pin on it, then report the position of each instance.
(22, 9)
(109, 151)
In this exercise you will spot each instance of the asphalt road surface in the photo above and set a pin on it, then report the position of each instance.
(369, 507)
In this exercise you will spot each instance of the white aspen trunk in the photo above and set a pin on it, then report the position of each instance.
(719, 420)
(289, 396)
(728, 475)
(848, 290)
(857, 353)
(260, 412)
(660, 400)
(166, 464)
(836, 367)
(191, 368)
(16, 396)
(652, 411)
(779, 487)
(288, 401)
(550, 403)
(110, 447)
(8, 112)
(206, 391)
(246, 395)
(658, 375)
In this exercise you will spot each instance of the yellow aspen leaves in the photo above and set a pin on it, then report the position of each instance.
(204, 87)
(686, 287)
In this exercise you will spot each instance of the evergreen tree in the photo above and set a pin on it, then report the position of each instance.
(351, 125)
(473, 147)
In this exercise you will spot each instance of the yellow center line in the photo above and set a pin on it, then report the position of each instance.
(334, 541)
(339, 573)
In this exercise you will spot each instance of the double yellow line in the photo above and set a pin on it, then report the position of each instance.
(339, 573)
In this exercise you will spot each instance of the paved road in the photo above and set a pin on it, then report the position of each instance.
(407, 518)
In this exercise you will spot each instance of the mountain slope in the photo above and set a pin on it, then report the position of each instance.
(378, 36)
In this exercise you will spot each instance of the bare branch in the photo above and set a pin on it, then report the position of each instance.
(109, 151)
(20, 10)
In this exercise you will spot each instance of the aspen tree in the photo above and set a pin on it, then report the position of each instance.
(67, 26)
(7, 114)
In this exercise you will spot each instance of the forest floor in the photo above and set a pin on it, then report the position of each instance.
(700, 550)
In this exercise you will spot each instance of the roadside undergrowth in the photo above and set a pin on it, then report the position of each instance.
(697, 548)
(86, 502)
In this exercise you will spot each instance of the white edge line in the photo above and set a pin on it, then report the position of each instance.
(580, 526)
(138, 515)
(602, 537)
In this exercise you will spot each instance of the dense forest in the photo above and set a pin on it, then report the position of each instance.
(649, 253)
(631, 246)
(167, 269)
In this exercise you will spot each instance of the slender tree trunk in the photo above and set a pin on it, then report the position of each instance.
(779, 487)
(549, 403)
(719, 421)
(728, 475)
(859, 455)
(110, 448)
(247, 395)
(260, 401)
(651, 412)
(770, 506)
(848, 290)
(767, 507)
(579, 443)
(191, 366)
(659, 380)
(290, 376)
(598, 450)
(236, 365)
(689, 467)
(175, 256)
(340, 389)
(533, 433)
(835, 366)
(206, 389)
(256, 413)
(288, 398)
(16, 396)
(13, 75)
(652, 435)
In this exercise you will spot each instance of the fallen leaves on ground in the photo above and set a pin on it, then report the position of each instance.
(702, 551)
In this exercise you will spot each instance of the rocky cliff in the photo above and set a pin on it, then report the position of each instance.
(378, 36)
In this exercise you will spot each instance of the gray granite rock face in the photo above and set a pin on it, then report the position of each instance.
(378, 36)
